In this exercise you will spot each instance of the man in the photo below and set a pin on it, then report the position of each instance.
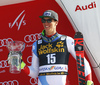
(51, 54)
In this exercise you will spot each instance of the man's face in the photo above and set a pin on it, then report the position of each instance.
(50, 26)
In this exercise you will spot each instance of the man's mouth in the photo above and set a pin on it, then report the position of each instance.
(46, 26)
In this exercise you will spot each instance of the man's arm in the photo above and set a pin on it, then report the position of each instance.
(32, 70)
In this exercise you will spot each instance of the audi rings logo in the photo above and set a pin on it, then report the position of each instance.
(13, 82)
(33, 81)
(32, 37)
(29, 59)
(3, 64)
(3, 42)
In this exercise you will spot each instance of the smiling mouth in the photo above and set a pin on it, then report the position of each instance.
(46, 26)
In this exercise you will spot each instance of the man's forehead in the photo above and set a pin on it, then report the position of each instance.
(47, 18)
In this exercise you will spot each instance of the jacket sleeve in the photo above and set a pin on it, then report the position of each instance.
(71, 49)
(33, 70)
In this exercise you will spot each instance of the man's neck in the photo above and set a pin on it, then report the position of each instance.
(50, 35)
